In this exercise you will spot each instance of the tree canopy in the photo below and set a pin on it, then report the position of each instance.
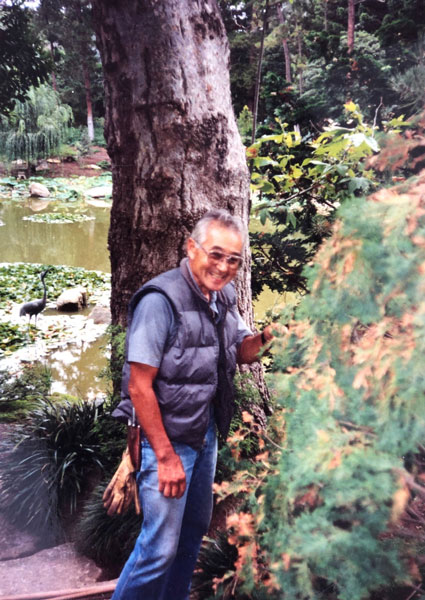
(23, 60)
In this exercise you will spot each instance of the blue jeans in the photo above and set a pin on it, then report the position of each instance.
(164, 556)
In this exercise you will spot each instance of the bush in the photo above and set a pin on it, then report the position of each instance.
(19, 394)
(331, 518)
(106, 540)
(55, 457)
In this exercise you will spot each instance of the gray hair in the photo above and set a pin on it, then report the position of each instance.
(222, 218)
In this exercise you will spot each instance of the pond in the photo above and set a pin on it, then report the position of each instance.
(74, 367)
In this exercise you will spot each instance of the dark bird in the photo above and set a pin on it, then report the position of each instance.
(34, 307)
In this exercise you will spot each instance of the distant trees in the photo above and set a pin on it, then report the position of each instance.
(23, 61)
(77, 70)
(35, 127)
(319, 55)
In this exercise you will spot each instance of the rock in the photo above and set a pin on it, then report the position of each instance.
(94, 167)
(100, 191)
(72, 299)
(38, 189)
(100, 314)
(57, 568)
(42, 166)
(54, 161)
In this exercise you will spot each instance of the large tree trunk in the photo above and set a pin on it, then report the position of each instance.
(171, 135)
(170, 130)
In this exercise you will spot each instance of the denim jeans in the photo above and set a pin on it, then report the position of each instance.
(164, 556)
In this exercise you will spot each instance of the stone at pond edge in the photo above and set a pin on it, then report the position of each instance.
(100, 191)
(100, 314)
(72, 299)
(38, 189)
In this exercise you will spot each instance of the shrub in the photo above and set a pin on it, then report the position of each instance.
(19, 394)
(106, 540)
(56, 454)
(331, 519)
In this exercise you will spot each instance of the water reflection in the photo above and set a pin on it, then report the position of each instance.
(76, 369)
(74, 244)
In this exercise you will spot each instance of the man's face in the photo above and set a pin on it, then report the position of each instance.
(212, 275)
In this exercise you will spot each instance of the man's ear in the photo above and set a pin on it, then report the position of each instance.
(191, 248)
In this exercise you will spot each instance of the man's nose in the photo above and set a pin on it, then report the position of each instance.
(223, 265)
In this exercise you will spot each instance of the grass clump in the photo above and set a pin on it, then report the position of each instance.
(106, 540)
(54, 460)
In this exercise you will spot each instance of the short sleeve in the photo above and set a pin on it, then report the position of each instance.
(243, 330)
(152, 325)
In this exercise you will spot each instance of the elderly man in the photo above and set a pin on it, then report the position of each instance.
(185, 338)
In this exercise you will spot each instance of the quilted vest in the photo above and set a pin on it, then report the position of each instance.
(187, 381)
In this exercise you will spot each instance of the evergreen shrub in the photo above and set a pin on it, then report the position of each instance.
(330, 510)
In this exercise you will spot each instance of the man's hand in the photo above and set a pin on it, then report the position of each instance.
(171, 476)
(252, 346)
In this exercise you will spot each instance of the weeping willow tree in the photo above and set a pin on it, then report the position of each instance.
(35, 128)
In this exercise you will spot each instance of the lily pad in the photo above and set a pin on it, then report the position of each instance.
(58, 218)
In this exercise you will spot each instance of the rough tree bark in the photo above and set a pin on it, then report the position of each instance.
(171, 135)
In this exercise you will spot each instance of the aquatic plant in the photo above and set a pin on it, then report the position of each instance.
(59, 217)
(20, 281)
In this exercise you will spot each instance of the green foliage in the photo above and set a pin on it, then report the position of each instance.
(35, 128)
(106, 540)
(19, 394)
(56, 453)
(23, 63)
(67, 153)
(61, 188)
(298, 184)
(245, 125)
(113, 371)
(330, 515)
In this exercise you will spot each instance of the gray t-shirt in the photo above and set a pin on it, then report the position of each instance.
(154, 323)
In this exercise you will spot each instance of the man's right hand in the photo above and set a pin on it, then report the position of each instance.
(171, 476)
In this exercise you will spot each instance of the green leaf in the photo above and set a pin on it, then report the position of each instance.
(262, 161)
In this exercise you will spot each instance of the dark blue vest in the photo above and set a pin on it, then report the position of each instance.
(187, 382)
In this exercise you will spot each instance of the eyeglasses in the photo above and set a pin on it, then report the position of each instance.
(234, 261)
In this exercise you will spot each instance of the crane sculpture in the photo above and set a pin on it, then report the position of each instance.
(34, 307)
